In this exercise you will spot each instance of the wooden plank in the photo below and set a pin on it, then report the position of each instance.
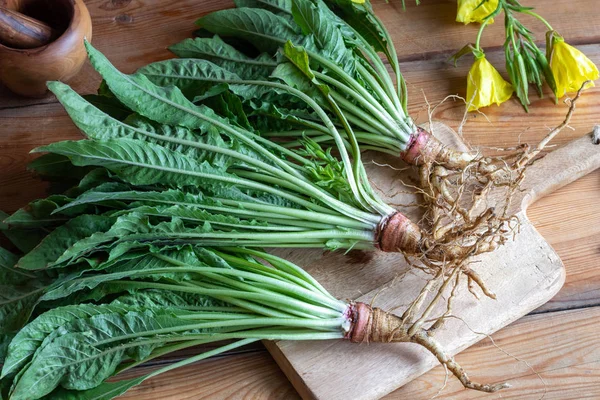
(543, 344)
(133, 33)
(569, 220)
(241, 376)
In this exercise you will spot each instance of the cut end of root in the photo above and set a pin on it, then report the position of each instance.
(375, 325)
(397, 233)
(424, 149)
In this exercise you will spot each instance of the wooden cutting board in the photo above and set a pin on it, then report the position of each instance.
(524, 274)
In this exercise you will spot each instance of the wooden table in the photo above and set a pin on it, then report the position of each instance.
(553, 351)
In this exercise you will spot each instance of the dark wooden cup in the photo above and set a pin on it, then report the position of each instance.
(26, 71)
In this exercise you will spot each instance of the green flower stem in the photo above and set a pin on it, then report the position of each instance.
(282, 225)
(484, 23)
(276, 273)
(331, 324)
(380, 122)
(348, 164)
(117, 388)
(161, 351)
(380, 66)
(253, 307)
(364, 195)
(387, 144)
(539, 17)
(366, 139)
(350, 80)
(341, 206)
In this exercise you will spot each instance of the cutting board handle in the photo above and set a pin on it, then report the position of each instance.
(559, 168)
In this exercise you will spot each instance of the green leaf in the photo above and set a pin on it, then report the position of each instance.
(277, 6)
(164, 105)
(25, 239)
(31, 336)
(196, 77)
(50, 165)
(264, 29)
(62, 238)
(362, 19)
(206, 75)
(141, 163)
(104, 391)
(109, 105)
(153, 298)
(5, 339)
(91, 350)
(225, 56)
(7, 262)
(16, 305)
(38, 213)
(110, 390)
(231, 107)
(124, 225)
(205, 144)
(327, 35)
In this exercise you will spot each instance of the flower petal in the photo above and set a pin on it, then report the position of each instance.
(468, 12)
(571, 68)
(485, 85)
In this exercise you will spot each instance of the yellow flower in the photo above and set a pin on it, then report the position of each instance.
(570, 67)
(485, 85)
(468, 13)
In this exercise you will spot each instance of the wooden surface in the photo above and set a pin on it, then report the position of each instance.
(557, 344)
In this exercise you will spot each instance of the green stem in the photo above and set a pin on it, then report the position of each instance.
(284, 265)
(269, 299)
(375, 109)
(484, 23)
(536, 15)
(276, 284)
(328, 218)
(266, 238)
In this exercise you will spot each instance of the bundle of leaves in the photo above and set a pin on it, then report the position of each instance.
(76, 326)
(171, 171)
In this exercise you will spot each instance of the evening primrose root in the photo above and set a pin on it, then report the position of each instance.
(469, 209)
(373, 325)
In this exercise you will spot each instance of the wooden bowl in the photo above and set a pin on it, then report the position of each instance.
(26, 71)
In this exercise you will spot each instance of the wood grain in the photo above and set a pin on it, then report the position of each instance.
(569, 367)
(23, 32)
(135, 32)
(239, 376)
